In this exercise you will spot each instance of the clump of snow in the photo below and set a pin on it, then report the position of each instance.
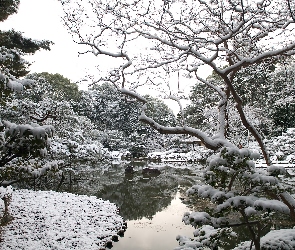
(276, 170)
(4, 193)
(50, 220)
(196, 218)
(15, 86)
(276, 239)
(249, 211)
(206, 237)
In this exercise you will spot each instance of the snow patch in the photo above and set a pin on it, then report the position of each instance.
(46, 220)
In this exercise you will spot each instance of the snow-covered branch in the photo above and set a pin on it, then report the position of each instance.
(155, 37)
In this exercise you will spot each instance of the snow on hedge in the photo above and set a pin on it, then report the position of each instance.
(51, 220)
(276, 239)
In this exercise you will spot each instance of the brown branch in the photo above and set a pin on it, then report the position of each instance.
(290, 9)
(244, 120)
(289, 201)
(255, 239)
(45, 117)
(213, 144)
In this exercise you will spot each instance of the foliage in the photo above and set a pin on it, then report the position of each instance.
(178, 38)
(267, 94)
(270, 88)
(109, 110)
(201, 111)
(25, 140)
(21, 141)
(282, 147)
(13, 46)
(62, 88)
(234, 185)
(117, 116)
(7, 8)
(17, 45)
(159, 111)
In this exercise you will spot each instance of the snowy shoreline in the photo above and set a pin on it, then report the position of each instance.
(50, 220)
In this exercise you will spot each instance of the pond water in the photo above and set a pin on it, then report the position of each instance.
(153, 206)
(158, 232)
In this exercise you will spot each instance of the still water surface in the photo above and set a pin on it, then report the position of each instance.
(153, 206)
(157, 233)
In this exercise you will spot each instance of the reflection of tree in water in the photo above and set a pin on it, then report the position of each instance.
(140, 197)
(136, 196)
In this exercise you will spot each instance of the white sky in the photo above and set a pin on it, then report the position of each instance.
(41, 19)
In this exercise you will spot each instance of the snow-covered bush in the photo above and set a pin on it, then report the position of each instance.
(283, 146)
(26, 141)
(276, 239)
(206, 236)
(241, 196)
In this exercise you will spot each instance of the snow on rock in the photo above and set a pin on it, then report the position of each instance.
(50, 220)
(276, 239)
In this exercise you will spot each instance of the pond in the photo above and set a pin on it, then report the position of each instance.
(153, 206)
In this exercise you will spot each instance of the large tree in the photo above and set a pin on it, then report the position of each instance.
(17, 140)
(62, 87)
(151, 42)
(109, 111)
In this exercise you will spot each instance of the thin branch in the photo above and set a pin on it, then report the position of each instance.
(290, 10)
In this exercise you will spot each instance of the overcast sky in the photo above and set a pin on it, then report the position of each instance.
(41, 19)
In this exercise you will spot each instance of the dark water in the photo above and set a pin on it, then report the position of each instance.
(152, 205)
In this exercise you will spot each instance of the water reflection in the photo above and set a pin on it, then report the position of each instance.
(157, 233)
(140, 197)
(152, 205)
(137, 195)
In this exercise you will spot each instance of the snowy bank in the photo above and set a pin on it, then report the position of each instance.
(51, 220)
(276, 239)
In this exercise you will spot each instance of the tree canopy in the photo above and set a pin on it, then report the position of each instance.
(22, 140)
(151, 42)
(181, 36)
(7, 8)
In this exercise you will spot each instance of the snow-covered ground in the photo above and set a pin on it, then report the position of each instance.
(46, 220)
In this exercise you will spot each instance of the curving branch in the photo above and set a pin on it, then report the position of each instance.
(208, 142)
(43, 117)
(183, 35)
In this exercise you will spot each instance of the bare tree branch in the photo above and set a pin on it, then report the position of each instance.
(155, 37)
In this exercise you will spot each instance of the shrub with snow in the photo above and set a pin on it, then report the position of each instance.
(282, 147)
(235, 187)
